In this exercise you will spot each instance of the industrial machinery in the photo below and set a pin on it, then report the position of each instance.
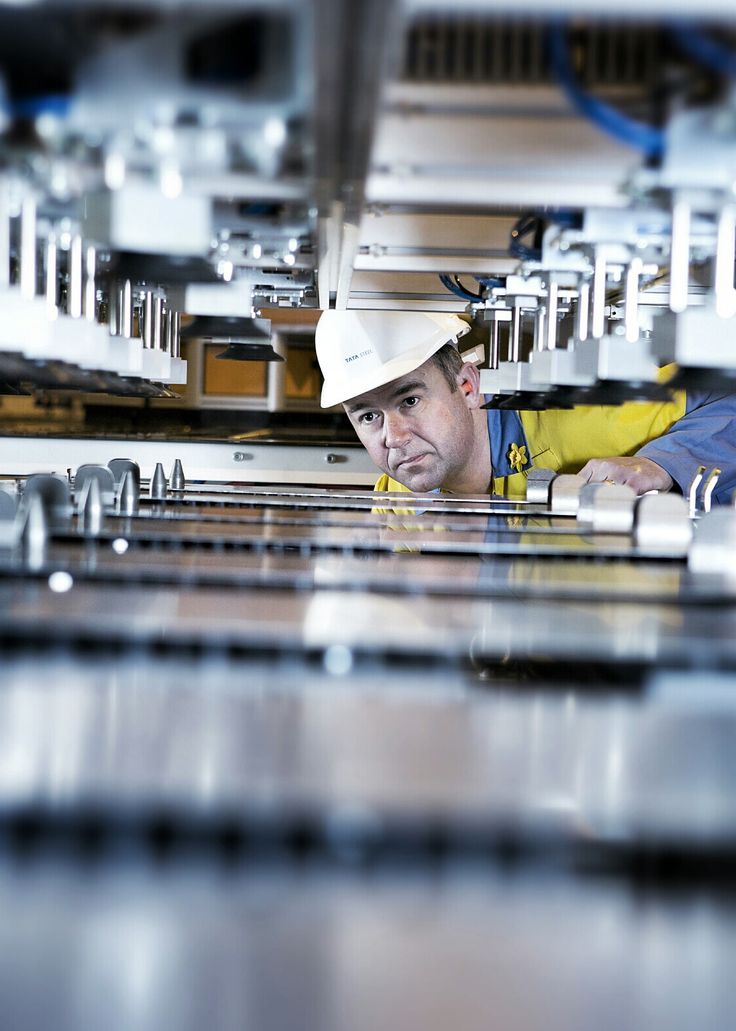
(279, 751)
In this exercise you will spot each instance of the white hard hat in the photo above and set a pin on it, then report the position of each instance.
(361, 350)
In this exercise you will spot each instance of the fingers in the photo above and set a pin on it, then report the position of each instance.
(641, 474)
(596, 471)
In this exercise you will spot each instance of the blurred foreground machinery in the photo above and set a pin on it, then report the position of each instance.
(276, 751)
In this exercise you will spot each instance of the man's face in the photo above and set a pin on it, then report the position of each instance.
(418, 430)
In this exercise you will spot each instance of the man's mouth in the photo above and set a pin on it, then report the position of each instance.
(411, 460)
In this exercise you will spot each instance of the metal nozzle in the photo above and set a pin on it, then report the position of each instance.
(710, 485)
(158, 483)
(129, 500)
(178, 481)
(692, 493)
(90, 508)
(34, 531)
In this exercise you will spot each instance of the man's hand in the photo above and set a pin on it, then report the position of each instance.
(641, 474)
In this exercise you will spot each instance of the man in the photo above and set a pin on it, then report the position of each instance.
(416, 407)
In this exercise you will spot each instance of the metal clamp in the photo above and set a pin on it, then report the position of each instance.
(565, 493)
(663, 523)
(608, 507)
(713, 550)
(538, 483)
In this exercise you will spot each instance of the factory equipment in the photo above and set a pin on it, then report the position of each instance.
(281, 751)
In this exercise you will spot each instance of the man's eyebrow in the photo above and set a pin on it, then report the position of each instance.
(400, 391)
(356, 406)
(408, 388)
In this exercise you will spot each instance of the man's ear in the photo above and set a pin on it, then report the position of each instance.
(468, 383)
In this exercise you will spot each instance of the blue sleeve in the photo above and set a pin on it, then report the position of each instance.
(705, 435)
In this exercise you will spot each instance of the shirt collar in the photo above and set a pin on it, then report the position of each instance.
(504, 430)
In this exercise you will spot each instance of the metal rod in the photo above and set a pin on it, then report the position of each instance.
(495, 342)
(28, 248)
(598, 320)
(126, 310)
(74, 299)
(582, 313)
(113, 310)
(679, 255)
(157, 323)
(4, 236)
(147, 329)
(540, 328)
(51, 271)
(175, 337)
(166, 337)
(551, 334)
(515, 333)
(90, 286)
(631, 300)
(724, 266)
(276, 382)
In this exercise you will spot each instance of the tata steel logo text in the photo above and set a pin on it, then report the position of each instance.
(360, 354)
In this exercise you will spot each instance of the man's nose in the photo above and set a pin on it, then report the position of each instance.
(395, 430)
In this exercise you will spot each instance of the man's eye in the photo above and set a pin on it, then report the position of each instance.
(411, 402)
(366, 418)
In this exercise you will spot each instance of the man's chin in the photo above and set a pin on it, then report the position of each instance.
(419, 483)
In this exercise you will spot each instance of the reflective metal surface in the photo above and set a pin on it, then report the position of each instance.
(468, 629)
(127, 560)
(284, 950)
(370, 754)
(426, 765)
